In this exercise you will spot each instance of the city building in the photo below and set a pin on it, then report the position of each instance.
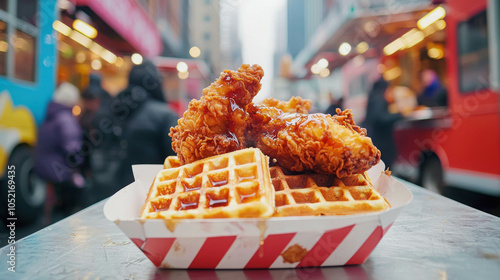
(230, 43)
(204, 31)
(301, 21)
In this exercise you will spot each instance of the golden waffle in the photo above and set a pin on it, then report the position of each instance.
(171, 162)
(231, 185)
(322, 194)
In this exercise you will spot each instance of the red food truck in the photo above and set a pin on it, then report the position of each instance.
(459, 145)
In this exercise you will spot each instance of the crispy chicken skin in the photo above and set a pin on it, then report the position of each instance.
(294, 105)
(312, 142)
(216, 123)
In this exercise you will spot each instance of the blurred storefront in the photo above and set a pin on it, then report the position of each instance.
(123, 33)
(101, 36)
(419, 47)
(352, 38)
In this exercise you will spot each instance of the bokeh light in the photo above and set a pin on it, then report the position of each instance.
(136, 58)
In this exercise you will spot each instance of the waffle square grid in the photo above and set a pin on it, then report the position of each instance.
(324, 194)
(235, 185)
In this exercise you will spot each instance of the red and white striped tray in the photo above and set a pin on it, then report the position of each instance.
(255, 242)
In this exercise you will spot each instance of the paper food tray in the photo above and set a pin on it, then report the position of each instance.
(277, 242)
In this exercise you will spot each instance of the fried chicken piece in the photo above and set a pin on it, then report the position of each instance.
(216, 123)
(312, 142)
(294, 105)
(225, 119)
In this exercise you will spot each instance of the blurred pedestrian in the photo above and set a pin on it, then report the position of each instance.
(380, 119)
(95, 99)
(433, 93)
(145, 120)
(92, 99)
(58, 152)
(107, 155)
(334, 104)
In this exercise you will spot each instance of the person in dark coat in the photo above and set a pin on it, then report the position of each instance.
(58, 151)
(334, 104)
(379, 122)
(95, 89)
(93, 98)
(145, 120)
(433, 93)
(106, 155)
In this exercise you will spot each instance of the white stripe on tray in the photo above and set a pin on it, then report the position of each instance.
(182, 251)
(240, 252)
(351, 243)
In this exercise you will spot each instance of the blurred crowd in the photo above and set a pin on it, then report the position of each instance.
(388, 104)
(87, 156)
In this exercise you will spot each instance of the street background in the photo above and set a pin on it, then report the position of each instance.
(422, 76)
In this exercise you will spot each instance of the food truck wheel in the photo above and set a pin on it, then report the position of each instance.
(432, 175)
(30, 190)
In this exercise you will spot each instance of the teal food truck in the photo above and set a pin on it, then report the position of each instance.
(28, 59)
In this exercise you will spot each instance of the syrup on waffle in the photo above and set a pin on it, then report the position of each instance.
(323, 194)
(171, 162)
(232, 185)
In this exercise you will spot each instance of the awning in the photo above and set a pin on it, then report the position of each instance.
(168, 64)
(353, 23)
(130, 21)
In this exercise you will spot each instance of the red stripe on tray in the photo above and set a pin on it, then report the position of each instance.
(138, 242)
(157, 248)
(364, 251)
(268, 252)
(325, 246)
(212, 252)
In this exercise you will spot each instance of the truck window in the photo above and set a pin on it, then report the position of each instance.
(18, 39)
(4, 46)
(27, 11)
(473, 56)
(24, 56)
